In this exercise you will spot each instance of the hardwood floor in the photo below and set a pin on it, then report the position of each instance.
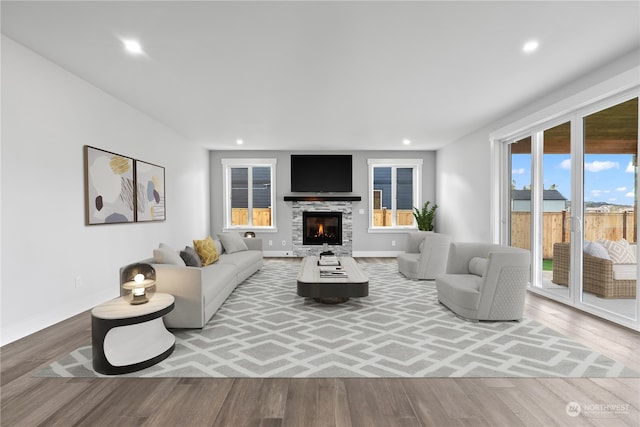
(29, 401)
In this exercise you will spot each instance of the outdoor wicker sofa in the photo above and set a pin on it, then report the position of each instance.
(597, 274)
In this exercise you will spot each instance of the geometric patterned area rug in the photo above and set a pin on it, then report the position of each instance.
(400, 330)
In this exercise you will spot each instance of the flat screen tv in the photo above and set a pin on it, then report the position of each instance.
(321, 173)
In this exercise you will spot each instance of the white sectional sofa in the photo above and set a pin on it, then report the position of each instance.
(200, 291)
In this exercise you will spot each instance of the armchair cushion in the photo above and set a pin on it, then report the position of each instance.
(620, 252)
(595, 249)
(625, 271)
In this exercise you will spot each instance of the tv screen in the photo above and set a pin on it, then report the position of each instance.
(325, 173)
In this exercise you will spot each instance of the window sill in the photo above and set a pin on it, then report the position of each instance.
(254, 229)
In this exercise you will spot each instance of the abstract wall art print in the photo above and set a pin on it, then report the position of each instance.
(150, 192)
(109, 184)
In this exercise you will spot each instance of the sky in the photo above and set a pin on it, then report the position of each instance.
(608, 178)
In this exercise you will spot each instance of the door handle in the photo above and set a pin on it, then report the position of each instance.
(575, 224)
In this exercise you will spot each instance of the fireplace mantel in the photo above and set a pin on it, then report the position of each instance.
(328, 198)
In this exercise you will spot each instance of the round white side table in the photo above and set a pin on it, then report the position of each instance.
(126, 338)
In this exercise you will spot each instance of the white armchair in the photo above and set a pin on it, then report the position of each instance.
(425, 256)
(485, 281)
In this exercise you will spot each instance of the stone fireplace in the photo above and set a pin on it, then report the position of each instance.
(326, 212)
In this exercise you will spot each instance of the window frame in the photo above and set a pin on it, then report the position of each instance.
(227, 165)
(416, 165)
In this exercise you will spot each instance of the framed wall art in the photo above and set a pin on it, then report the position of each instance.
(150, 192)
(109, 184)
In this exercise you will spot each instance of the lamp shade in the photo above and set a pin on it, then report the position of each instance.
(137, 283)
(249, 234)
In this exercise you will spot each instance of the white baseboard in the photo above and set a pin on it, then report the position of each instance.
(376, 254)
(278, 254)
(356, 254)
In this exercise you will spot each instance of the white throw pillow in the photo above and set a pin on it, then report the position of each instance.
(166, 255)
(620, 251)
(477, 266)
(595, 249)
(232, 242)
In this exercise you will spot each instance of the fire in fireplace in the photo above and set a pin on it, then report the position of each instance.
(319, 228)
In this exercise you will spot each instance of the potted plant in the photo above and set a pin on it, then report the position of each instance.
(425, 216)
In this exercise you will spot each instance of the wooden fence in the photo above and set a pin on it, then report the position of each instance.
(261, 217)
(382, 217)
(555, 228)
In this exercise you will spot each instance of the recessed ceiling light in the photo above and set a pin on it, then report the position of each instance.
(132, 46)
(239, 141)
(530, 46)
(406, 142)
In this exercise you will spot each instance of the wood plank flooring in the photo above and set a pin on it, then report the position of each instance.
(477, 402)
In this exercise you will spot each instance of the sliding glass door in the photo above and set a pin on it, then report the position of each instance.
(572, 187)
(609, 206)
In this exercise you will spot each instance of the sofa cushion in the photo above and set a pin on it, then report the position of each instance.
(595, 249)
(190, 257)
(232, 242)
(166, 255)
(206, 250)
(620, 251)
(216, 278)
(625, 271)
(477, 266)
(241, 259)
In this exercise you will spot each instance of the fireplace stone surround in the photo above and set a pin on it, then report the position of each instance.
(299, 206)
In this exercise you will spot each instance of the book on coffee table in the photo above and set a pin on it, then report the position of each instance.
(328, 261)
(333, 273)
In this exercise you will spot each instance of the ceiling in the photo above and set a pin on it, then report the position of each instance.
(326, 75)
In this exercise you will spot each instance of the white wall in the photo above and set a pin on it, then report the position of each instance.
(464, 175)
(48, 115)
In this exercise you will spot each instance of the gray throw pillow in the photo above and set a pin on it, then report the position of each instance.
(190, 257)
(232, 242)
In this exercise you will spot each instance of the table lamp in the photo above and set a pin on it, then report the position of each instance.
(138, 283)
(250, 234)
